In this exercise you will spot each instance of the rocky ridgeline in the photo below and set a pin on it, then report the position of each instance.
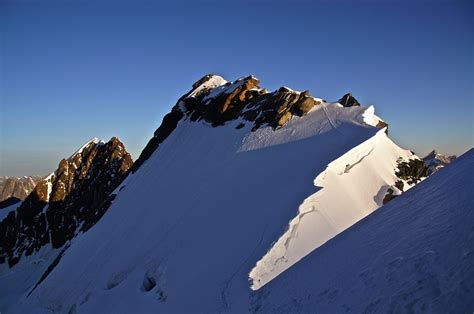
(70, 200)
(243, 99)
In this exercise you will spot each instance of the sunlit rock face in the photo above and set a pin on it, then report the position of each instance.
(70, 200)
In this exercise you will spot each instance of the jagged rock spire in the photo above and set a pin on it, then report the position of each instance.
(71, 199)
(348, 100)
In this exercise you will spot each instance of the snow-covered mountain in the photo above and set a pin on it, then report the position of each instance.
(414, 255)
(35, 233)
(435, 161)
(236, 186)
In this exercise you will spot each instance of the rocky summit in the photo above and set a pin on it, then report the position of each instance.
(70, 200)
(216, 101)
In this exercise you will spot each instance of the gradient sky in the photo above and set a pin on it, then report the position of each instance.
(72, 70)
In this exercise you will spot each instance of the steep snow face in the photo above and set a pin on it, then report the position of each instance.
(186, 229)
(321, 119)
(353, 186)
(18, 281)
(413, 255)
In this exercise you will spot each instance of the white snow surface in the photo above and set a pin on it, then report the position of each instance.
(413, 255)
(353, 186)
(210, 203)
(213, 82)
(17, 282)
(93, 140)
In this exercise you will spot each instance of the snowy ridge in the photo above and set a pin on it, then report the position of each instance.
(213, 82)
(225, 88)
(412, 255)
(369, 116)
(321, 119)
(352, 187)
(93, 140)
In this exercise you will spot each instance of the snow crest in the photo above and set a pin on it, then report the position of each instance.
(350, 191)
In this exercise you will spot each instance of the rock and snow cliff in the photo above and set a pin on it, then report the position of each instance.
(236, 186)
(35, 233)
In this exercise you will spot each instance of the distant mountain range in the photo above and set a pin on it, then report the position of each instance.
(435, 161)
(16, 188)
(244, 200)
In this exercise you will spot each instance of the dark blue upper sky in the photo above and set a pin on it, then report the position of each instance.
(72, 70)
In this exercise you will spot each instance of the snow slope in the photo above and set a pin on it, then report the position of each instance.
(188, 227)
(353, 186)
(415, 254)
(30, 231)
(18, 281)
(6, 210)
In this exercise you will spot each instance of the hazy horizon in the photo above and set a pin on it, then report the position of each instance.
(71, 71)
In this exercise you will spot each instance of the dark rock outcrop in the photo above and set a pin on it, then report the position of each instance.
(390, 192)
(389, 196)
(70, 200)
(382, 124)
(412, 171)
(348, 100)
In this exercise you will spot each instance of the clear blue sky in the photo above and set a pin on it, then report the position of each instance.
(72, 70)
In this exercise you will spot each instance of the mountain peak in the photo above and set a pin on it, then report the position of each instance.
(348, 100)
(435, 161)
(216, 101)
(90, 142)
(69, 200)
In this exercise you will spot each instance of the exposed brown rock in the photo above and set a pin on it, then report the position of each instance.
(283, 118)
(76, 195)
(18, 187)
(242, 99)
(304, 105)
(381, 124)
